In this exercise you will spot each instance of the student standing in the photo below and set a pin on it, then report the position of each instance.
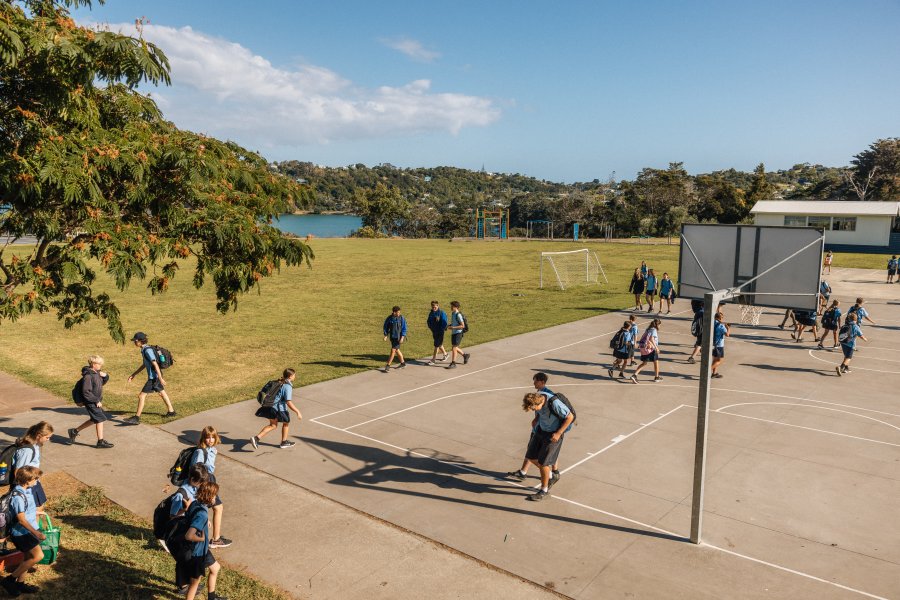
(651, 290)
(826, 263)
(25, 533)
(649, 347)
(849, 332)
(891, 269)
(540, 386)
(155, 381)
(666, 291)
(621, 342)
(278, 412)
(92, 381)
(28, 454)
(831, 321)
(457, 329)
(553, 418)
(437, 324)
(206, 454)
(636, 287)
(721, 330)
(197, 534)
(395, 329)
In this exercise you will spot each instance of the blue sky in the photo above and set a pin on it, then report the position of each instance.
(568, 91)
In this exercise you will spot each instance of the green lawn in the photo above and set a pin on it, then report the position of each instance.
(326, 321)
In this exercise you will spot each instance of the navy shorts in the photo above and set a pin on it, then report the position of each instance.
(542, 449)
(652, 357)
(456, 339)
(395, 343)
(195, 568)
(719, 352)
(438, 338)
(651, 292)
(270, 412)
(848, 350)
(95, 413)
(620, 354)
(25, 543)
(152, 385)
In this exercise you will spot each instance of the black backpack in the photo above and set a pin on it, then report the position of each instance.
(77, 394)
(568, 404)
(465, 328)
(268, 393)
(178, 474)
(162, 513)
(163, 357)
(6, 456)
(844, 333)
(697, 325)
(828, 320)
(176, 528)
(616, 342)
(7, 518)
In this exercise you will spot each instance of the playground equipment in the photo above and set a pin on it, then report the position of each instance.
(491, 223)
(530, 227)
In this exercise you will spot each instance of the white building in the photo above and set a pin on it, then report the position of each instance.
(849, 226)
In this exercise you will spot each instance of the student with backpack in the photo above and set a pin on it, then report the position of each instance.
(194, 557)
(28, 454)
(278, 412)
(666, 293)
(637, 288)
(847, 336)
(824, 296)
(540, 385)
(697, 332)
(205, 455)
(805, 318)
(831, 321)
(861, 313)
(437, 324)
(25, 533)
(721, 330)
(458, 326)
(155, 381)
(649, 348)
(634, 337)
(620, 343)
(177, 503)
(651, 290)
(90, 392)
(892, 269)
(553, 419)
(395, 329)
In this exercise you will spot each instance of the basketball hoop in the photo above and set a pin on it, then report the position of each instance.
(750, 314)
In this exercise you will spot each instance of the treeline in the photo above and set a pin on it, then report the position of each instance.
(440, 201)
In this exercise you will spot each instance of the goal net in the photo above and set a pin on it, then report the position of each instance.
(574, 267)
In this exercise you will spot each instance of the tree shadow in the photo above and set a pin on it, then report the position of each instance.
(383, 468)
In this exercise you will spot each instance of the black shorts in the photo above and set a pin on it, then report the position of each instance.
(152, 385)
(651, 292)
(195, 568)
(719, 352)
(395, 343)
(24, 543)
(212, 479)
(438, 338)
(456, 339)
(892, 272)
(652, 357)
(620, 354)
(848, 350)
(270, 412)
(95, 413)
(542, 449)
(698, 342)
(40, 496)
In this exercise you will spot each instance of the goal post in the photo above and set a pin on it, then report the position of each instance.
(571, 267)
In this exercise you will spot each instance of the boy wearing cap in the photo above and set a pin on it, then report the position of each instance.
(155, 381)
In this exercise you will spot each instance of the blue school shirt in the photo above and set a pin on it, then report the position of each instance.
(634, 331)
(855, 332)
(284, 395)
(861, 314)
(210, 462)
(27, 456)
(719, 331)
(437, 321)
(665, 286)
(548, 420)
(149, 357)
(651, 283)
(653, 335)
(23, 505)
(199, 520)
(627, 338)
(644, 270)
(178, 501)
(456, 319)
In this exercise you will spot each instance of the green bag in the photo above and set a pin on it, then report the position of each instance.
(50, 545)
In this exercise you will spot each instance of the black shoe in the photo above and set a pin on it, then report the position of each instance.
(221, 542)
(451, 366)
(466, 358)
(26, 588)
(73, 433)
(610, 371)
(538, 495)
(554, 477)
(183, 590)
(104, 444)
(402, 365)
(517, 475)
(171, 413)
(132, 420)
(11, 586)
(287, 444)
(215, 596)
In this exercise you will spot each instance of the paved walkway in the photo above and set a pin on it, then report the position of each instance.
(17, 396)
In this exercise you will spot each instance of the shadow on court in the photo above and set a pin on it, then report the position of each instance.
(383, 468)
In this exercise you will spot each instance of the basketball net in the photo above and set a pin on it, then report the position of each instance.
(750, 314)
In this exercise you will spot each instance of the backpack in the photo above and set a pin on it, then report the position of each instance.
(269, 392)
(175, 530)
(77, 395)
(844, 333)
(828, 320)
(7, 456)
(697, 326)
(644, 343)
(465, 328)
(163, 357)
(178, 474)
(616, 342)
(853, 309)
(7, 518)
(162, 514)
(568, 404)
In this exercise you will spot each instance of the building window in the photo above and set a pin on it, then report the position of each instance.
(820, 222)
(791, 221)
(844, 224)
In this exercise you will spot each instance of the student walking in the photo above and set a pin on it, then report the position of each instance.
(155, 381)
(437, 324)
(649, 347)
(637, 288)
(540, 386)
(789, 314)
(892, 269)
(633, 341)
(644, 269)
(92, 381)
(721, 330)
(28, 454)
(182, 499)
(860, 312)
(458, 327)
(666, 293)
(25, 534)
(651, 290)
(553, 418)
(805, 318)
(826, 263)
(620, 345)
(824, 295)
(849, 332)
(201, 559)
(831, 321)
(697, 332)
(278, 412)
(205, 455)
(395, 329)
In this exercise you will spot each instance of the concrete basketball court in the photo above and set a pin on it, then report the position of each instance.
(803, 466)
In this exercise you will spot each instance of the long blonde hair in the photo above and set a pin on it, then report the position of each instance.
(208, 431)
(34, 433)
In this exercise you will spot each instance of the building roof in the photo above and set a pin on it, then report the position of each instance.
(811, 207)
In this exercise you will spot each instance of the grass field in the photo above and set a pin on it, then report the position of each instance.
(326, 321)
(106, 552)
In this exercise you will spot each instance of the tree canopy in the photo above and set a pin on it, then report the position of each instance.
(89, 166)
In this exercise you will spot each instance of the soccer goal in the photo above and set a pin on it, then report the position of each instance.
(573, 267)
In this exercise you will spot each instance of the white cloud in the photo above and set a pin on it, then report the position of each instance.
(223, 89)
(411, 48)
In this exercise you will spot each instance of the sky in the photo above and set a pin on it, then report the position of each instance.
(567, 91)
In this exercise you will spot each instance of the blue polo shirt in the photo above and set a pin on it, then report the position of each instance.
(855, 332)
(284, 396)
(634, 331)
(198, 518)
(20, 504)
(719, 331)
(627, 338)
(148, 355)
(651, 283)
(27, 456)
(178, 501)
(210, 458)
(665, 287)
(548, 420)
(456, 319)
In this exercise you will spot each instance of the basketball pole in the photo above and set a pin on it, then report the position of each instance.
(711, 301)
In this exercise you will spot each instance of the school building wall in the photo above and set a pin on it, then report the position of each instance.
(870, 230)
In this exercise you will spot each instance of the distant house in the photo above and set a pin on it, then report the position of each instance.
(848, 226)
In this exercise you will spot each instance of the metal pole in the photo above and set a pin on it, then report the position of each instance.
(711, 304)
(542, 270)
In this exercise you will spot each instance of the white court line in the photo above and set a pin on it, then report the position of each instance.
(855, 367)
(616, 516)
(469, 373)
(811, 406)
(618, 439)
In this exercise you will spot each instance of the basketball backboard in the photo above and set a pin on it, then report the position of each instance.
(726, 257)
